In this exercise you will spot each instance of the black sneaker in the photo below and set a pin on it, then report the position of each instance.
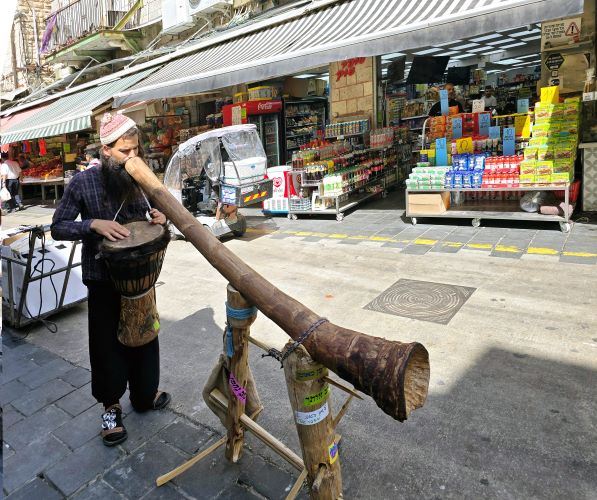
(113, 431)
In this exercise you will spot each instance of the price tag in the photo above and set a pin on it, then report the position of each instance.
(443, 100)
(522, 106)
(441, 152)
(495, 132)
(464, 145)
(509, 141)
(478, 105)
(484, 122)
(550, 95)
(522, 125)
(457, 128)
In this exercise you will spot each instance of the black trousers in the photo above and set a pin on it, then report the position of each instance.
(13, 188)
(113, 364)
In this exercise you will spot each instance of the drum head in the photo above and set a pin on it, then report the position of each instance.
(142, 233)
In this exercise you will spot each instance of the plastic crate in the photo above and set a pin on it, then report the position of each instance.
(299, 204)
(574, 192)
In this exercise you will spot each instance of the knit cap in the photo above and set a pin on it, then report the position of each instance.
(114, 126)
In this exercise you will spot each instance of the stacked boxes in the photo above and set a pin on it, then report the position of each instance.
(424, 176)
(466, 172)
(549, 158)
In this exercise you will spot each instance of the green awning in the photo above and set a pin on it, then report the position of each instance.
(70, 113)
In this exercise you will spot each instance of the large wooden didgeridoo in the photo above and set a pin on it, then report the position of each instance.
(394, 374)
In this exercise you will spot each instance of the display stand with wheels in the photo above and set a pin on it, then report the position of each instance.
(498, 209)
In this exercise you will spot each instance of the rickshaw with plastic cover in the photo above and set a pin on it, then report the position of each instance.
(217, 172)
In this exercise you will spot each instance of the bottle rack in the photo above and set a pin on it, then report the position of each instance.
(348, 180)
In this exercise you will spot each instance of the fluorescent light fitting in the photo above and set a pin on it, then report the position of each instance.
(494, 51)
(519, 44)
(462, 47)
(503, 40)
(447, 43)
(432, 50)
(393, 55)
(306, 75)
(481, 49)
(535, 37)
(486, 37)
(527, 56)
(508, 61)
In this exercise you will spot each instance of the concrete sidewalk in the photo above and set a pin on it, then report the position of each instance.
(512, 396)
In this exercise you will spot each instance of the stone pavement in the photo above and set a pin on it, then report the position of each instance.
(51, 448)
(512, 396)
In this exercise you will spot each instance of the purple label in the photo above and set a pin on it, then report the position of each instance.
(238, 390)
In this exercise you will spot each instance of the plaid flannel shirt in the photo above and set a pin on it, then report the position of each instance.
(84, 196)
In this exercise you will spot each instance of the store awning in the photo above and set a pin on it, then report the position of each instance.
(342, 30)
(70, 113)
(10, 121)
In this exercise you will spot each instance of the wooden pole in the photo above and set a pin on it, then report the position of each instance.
(395, 374)
(312, 410)
(239, 374)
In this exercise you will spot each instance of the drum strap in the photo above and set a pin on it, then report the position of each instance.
(123, 202)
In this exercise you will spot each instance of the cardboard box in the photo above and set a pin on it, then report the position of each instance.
(296, 87)
(428, 203)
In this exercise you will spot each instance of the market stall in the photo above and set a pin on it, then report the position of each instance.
(517, 167)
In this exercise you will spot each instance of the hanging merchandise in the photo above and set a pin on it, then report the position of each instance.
(41, 144)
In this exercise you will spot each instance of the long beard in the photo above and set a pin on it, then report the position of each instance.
(118, 184)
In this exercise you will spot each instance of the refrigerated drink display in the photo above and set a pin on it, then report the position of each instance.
(266, 115)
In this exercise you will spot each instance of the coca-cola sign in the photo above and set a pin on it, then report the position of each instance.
(262, 107)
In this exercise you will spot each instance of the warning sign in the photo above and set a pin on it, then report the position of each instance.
(557, 33)
(554, 61)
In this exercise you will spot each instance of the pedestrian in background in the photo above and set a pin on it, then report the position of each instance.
(10, 172)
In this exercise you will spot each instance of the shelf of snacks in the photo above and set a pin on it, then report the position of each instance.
(336, 176)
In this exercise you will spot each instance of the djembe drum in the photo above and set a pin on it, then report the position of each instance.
(134, 264)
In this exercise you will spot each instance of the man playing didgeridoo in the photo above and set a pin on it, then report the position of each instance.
(106, 197)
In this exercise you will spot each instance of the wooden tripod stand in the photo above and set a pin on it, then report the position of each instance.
(308, 387)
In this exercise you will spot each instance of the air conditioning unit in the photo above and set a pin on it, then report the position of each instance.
(202, 7)
(176, 16)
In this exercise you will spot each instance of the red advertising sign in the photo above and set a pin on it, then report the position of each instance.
(348, 67)
(235, 114)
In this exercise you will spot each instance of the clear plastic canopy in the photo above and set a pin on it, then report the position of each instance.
(244, 158)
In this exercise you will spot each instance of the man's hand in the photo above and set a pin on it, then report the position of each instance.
(109, 229)
(157, 217)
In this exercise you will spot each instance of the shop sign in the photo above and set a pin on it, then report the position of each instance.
(457, 128)
(443, 100)
(464, 145)
(263, 107)
(563, 32)
(522, 106)
(441, 152)
(478, 105)
(522, 125)
(348, 67)
(509, 141)
(554, 61)
(484, 123)
(494, 132)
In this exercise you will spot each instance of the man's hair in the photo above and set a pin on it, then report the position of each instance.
(4, 156)
(93, 152)
(488, 87)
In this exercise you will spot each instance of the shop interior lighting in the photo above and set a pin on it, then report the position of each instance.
(518, 44)
(451, 42)
(508, 61)
(486, 37)
(393, 55)
(527, 56)
(503, 40)
(307, 75)
(535, 37)
(494, 51)
(432, 50)
(466, 46)
(480, 49)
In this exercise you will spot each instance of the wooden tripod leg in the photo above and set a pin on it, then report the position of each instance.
(310, 403)
(239, 375)
(297, 486)
(163, 479)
